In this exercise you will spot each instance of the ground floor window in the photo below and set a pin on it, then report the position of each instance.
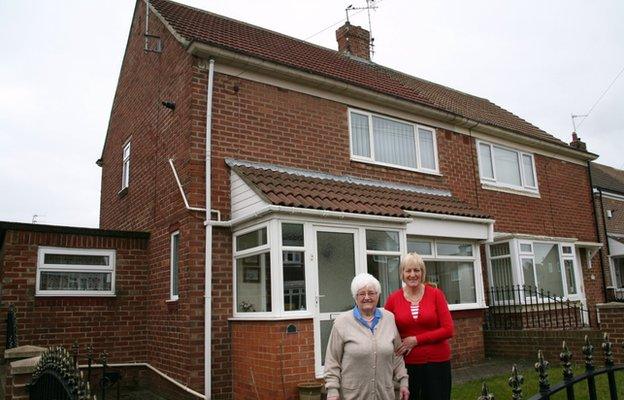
(550, 267)
(451, 265)
(75, 272)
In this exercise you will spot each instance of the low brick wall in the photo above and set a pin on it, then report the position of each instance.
(467, 346)
(524, 344)
(611, 316)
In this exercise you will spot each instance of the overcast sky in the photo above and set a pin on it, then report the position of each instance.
(542, 60)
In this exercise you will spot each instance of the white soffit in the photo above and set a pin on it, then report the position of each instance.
(615, 248)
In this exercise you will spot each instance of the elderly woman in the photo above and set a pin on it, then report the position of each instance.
(362, 361)
(425, 324)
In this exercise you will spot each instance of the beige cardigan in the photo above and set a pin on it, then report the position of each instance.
(360, 365)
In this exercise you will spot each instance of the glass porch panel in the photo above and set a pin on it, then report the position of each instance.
(455, 279)
(548, 268)
(528, 272)
(326, 327)
(336, 269)
(568, 266)
(501, 277)
(253, 283)
(294, 280)
(386, 270)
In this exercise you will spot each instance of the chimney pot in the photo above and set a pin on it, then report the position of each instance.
(354, 40)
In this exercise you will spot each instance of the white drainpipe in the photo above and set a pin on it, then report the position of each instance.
(208, 266)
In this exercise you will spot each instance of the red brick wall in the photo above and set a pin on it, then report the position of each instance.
(268, 362)
(467, 343)
(612, 322)
(515, 345)
(113, 324)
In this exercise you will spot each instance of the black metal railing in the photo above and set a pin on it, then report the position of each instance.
(570, 384)
(57, 377)
(525, 307)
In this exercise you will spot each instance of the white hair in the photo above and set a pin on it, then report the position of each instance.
(363, 280)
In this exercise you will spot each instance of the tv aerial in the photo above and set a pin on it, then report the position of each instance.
(370, 5)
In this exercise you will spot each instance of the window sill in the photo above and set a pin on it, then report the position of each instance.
(123, 192)
(521, 192)
(270, 317)
(392, 166)
(76, 295)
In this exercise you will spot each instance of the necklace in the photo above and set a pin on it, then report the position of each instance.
(416, 297)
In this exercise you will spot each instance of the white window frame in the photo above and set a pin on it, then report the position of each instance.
(173, 296)
(516, 264)
(279, 273)
(43, 267)
(261, 249)
(416, 127)
(475, 259)
(125, 165)
(525, 187)
(383, 277)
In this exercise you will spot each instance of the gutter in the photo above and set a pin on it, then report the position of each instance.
(306, 211)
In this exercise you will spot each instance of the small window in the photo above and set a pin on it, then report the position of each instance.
(292, 235)
(75, 272)
(175, 266)
(388, 141)
(125, 174)
(526, 248)
(251, 239)
(502, 166)
(420, 247)
(566, 249)
(454, 249)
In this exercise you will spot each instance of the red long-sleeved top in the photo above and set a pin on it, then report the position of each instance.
(432, 329)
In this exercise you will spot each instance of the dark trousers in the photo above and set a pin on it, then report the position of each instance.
(431, 381)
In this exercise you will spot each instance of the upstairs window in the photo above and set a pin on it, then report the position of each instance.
(388, 141)
(125, 170)
(506, 167)
(75, 272)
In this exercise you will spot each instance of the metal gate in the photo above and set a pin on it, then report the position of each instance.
(57, 378)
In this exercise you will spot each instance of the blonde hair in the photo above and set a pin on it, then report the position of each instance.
(413, 259)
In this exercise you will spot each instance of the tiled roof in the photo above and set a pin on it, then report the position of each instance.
(282, 188)
(201, 26)
(606, 177)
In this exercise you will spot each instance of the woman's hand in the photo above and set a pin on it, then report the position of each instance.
(338, 398)
(404, 393)
(406, 346)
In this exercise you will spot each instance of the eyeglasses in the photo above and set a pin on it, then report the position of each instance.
(369, 294)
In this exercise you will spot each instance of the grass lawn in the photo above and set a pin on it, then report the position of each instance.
(500, 389)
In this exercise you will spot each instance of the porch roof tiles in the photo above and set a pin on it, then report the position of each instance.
(279, 187)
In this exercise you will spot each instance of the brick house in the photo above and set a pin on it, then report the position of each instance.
(268, 171)
(608, 188)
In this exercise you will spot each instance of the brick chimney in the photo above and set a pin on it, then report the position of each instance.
(577, 143)
(353, 40)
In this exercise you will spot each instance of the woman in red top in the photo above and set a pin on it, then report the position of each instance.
(425, 325)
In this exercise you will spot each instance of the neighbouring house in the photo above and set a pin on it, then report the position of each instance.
(268, 171)
(608, 186)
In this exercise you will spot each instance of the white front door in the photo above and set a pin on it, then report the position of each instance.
(336, 265)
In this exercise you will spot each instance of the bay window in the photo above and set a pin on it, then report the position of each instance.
(506, 167)
(392, 142)
(544, 266)
(451, 265)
